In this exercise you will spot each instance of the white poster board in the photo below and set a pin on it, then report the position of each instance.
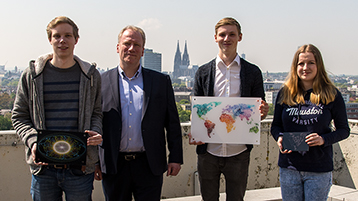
(231, 120)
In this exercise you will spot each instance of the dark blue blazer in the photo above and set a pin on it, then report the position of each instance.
(251, 85)
(159, 115)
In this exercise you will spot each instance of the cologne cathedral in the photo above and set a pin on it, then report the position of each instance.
(182, 63)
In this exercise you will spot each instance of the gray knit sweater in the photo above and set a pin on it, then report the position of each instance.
(28, 112)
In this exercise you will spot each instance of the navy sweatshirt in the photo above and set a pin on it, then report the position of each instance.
(311, 118)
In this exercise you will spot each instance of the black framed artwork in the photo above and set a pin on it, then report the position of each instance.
(295, 141)
(61, 147)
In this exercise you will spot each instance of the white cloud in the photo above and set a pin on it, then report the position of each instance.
(150, 24)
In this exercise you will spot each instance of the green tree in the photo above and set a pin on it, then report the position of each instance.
(271, 109)
(182, 85)
(13, 83)
(10, 83)
(5, 101)
(5, 122)
(340, 85)
(184, 101)
(184, 115)
(4, 82)
(179, 108)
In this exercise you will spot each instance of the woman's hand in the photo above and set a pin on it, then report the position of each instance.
(279, 143)
(314, 139)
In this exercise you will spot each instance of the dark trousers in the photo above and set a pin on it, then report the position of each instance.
(133, 178)
(235, 170)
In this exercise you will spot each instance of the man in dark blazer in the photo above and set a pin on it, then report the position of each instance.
(228, 75)
(139, 118)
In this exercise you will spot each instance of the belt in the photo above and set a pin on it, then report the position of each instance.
(65, 166)
(129, 156)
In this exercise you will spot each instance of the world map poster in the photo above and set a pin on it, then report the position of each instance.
(231, 120)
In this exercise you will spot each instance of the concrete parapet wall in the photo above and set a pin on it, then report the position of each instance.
(346, 159)
(263, 170)
(15, 177)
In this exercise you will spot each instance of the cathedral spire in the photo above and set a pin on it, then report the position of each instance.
(177, 61)
(185, 60)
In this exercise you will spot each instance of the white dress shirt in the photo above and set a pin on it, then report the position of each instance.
(227, 84)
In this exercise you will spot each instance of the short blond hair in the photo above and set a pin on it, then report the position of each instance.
(59, 20)
(134, 28)
(228, 21)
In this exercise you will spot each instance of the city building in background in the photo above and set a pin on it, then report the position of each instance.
(151, 60)
(180, 95)
(183, 78)
(352, 110)
(273, 85)
(271, 96)
(346, 97)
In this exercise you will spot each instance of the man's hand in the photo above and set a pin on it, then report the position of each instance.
(264, 108)
(98, 173)
(193, 142)
(94, 139)
(33, 154)
(173, 169)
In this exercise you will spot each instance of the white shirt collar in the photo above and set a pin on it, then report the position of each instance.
(219, 60)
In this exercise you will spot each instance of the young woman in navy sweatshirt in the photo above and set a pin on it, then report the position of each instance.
(308, 102)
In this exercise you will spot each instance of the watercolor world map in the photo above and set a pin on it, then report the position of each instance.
(229, 115)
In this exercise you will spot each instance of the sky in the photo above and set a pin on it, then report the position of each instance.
(272, 30)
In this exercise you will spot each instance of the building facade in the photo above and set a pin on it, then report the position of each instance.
(352, 110)
(152, 60)
(271, 96)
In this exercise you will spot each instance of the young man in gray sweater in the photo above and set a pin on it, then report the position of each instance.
(61, 92)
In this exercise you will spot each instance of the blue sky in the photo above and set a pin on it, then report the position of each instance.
(272, 30)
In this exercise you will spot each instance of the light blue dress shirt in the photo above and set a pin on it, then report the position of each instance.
(131, 94)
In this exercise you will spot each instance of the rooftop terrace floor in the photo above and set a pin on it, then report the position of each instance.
(337, 193)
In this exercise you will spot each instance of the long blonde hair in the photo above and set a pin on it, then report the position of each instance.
(323, 89)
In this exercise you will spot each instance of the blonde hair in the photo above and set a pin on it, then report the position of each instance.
(228, 21)
(134, 28)
(323, 89)
(60, 20)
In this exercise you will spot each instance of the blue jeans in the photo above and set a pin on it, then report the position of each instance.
(300, 186)
(235, 170)
(50, 184)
